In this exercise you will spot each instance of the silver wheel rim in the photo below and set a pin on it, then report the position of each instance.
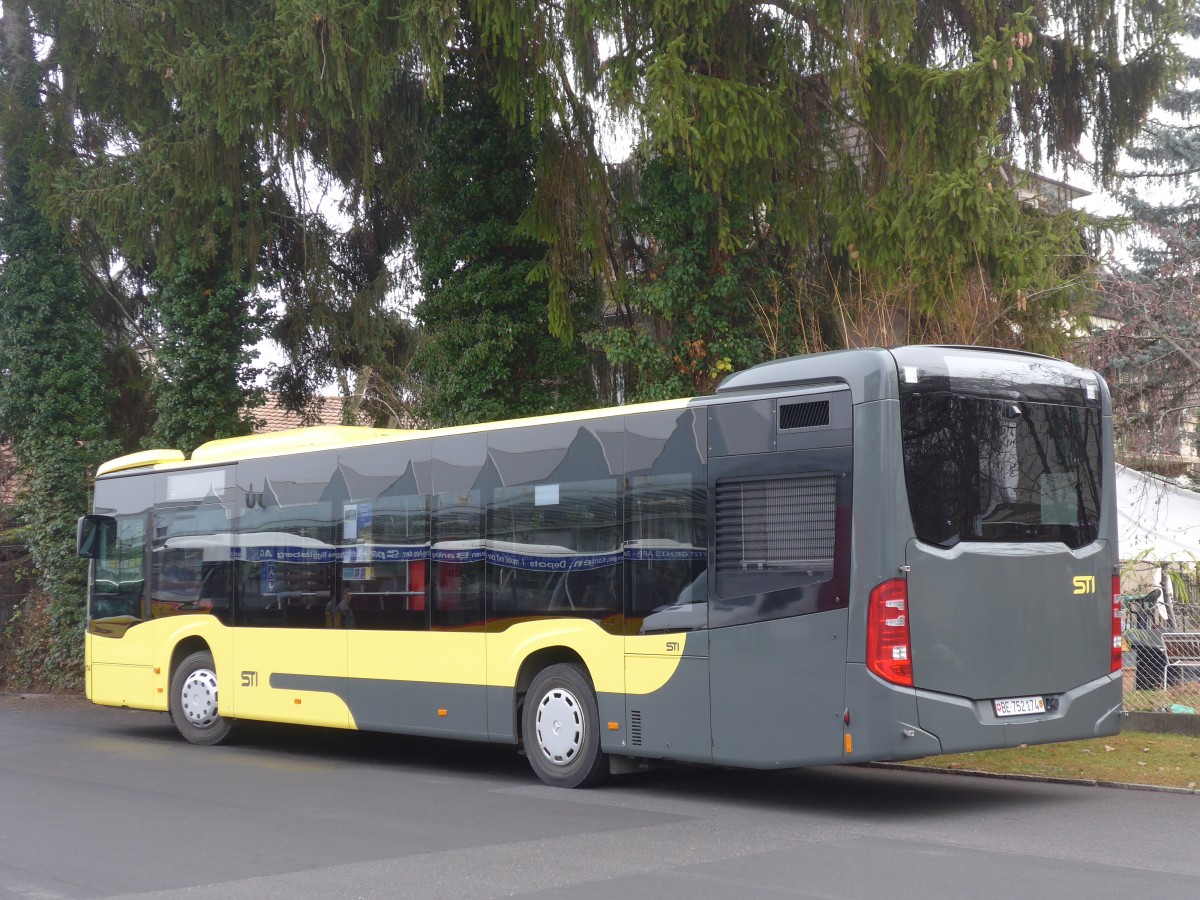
(199, 698)
(559, 727)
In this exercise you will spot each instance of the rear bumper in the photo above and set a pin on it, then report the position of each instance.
(1090, 710)
(896, 723)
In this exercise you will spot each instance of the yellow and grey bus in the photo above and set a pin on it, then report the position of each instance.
(861, 555)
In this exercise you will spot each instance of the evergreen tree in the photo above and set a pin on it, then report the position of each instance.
(202, 125)
(1149, 348)
(697, 308)
(876, 141)
(206, 388)
(1162, 191)
(487, 351)
(55, 399)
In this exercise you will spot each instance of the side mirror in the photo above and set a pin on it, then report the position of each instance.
(93, 536)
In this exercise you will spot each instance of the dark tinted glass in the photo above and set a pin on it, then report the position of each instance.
(118, 578)
(287, 542)
(124, 494)
(192, 568)
(385, 560)
(974, 372)
(385, 537)
(666, 555)
(666, 511)
(555, 549)
(457, 558)
(984, 469)
(782, 536)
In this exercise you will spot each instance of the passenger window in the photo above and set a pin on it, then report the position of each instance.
(286, 544)
(555, 549)
(385, 562)
(667, 554)
(457, 560)
(192, 569)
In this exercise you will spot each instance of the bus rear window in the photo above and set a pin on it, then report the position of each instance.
(994, 469)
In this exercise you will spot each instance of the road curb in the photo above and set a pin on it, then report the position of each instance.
(1044, 779)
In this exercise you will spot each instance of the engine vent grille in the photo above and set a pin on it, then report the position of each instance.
(804, 415)
(635, 727)
(777, 522)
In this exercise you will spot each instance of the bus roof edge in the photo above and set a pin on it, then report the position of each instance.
(139, 460)
(225, 449)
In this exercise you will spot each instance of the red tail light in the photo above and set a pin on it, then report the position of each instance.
(1116, 624)
(887, 633)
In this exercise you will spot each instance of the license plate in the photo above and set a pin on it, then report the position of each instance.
(1020, 706)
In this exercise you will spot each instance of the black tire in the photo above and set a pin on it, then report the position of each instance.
(193, 701)
(561, 728)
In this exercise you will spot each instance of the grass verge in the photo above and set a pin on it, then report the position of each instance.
(1134, 757)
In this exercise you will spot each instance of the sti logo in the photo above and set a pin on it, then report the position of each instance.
(1084, 584)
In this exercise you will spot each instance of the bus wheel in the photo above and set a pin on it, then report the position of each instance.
(561, 728)
(193, 702)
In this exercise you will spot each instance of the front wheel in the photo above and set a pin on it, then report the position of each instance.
(561, 728)
(193, 702)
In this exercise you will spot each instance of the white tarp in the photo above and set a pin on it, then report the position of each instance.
(1157, 519)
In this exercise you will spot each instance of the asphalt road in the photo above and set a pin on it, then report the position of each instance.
(104, 802)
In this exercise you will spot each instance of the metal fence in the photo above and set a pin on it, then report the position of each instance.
(1162, 650)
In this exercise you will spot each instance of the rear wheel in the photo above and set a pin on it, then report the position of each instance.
(561, 728)
(193, 701)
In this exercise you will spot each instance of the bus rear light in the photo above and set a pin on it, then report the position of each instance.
(887, 633)
(1117, 643)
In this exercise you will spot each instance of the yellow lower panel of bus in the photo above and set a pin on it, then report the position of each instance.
(309, 675)
(116, 684)
(602, 653)
(651, 661)
(120, 671)
(449, 657)
(267, 666)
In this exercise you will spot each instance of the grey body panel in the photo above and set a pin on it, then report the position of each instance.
(778, 691)
(751, 426)
(406, 707)
(1000, 620)
(881, 524)
(883, 720)
(735, 429)
(502, 714)
(672, 722)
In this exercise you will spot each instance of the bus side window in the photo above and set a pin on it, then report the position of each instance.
(666, 556)
(555, 549)
(118, 571)
(457, 557)
(384, 552)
